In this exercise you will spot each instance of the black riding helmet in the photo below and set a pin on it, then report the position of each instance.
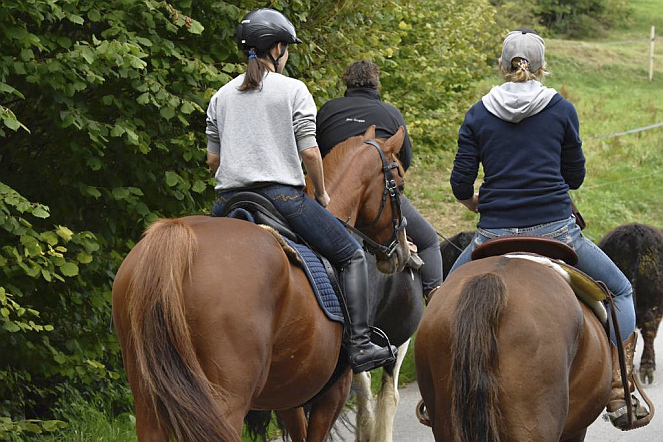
(261, 29)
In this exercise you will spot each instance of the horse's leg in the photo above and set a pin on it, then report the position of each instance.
(147, 422)
(294, 421)
(365, 413)
(326, 409)
(649, 330)
(388, 399)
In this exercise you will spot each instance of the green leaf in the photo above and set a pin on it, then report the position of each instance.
(196, 27)
(69, 269)
(49, 237)
(84, 257)
(11, 122)
(41, 212)
(171, 178)
(143, 98)
(120, 193)
(46, 275)
(94, 15)
(199, 186)
(167, 112)
(187, 107)
(11, 327)
(64, 233)
(117, 131)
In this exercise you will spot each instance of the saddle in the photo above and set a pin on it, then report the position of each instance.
(256, 208)
(322, 275)
(556, 255)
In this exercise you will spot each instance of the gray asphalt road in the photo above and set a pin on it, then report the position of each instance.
(408, 429)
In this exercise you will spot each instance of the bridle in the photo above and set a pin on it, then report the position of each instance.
(398, 221)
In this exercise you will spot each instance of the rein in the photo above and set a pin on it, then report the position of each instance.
(398, 220)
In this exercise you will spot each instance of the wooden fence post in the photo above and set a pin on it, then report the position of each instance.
(651, 55)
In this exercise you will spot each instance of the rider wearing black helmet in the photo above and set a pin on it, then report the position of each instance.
(260, 127)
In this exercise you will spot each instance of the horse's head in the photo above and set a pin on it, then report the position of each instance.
(365, 182)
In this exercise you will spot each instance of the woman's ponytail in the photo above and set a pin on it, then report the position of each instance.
(519, 71)
(255, 70)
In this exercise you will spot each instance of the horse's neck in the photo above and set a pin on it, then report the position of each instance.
(346, 185)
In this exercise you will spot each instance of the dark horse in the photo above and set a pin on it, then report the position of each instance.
(451, 249)
(214, 320)
(637, 249)
(505, 351)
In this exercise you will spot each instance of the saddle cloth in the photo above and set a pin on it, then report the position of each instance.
(320, 281)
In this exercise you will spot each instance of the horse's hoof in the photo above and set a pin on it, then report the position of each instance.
(647, 375)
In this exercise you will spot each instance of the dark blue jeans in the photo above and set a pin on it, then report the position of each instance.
(308, 219)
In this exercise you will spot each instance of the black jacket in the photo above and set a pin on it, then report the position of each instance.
(349, 116)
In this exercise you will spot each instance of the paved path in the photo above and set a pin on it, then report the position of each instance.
(408, 429)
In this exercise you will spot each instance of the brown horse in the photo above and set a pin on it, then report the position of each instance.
(506, 352)
(214, 320)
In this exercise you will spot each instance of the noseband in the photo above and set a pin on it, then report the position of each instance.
(397, 219)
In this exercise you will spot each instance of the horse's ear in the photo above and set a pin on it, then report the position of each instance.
(395, 142)
(370, 133)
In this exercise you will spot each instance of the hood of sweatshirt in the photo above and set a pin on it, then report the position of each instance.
(513, 102)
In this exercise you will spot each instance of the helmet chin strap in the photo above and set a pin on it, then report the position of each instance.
(284, 48)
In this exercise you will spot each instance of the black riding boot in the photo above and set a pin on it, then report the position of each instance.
(364, 355)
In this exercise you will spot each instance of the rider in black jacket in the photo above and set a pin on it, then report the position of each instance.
(348, 116)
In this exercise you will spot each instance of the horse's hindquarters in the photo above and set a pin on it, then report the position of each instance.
(242, 309)
(268, 331)
(538, 327)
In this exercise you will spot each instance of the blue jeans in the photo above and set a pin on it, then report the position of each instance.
(428, 246)
(591, 260)
(308, 219)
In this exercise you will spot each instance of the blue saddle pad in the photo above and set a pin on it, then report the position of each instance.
(317, 276)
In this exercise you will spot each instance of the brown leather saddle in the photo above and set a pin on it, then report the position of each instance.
(540, 245)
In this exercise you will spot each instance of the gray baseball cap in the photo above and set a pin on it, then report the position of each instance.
(524, 43)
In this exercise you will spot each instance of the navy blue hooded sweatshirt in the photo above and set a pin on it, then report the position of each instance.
(526, 136)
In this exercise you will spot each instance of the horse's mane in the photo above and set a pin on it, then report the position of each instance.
(336, 155)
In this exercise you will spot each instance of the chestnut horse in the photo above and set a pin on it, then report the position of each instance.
(505, 351)
(214, 320)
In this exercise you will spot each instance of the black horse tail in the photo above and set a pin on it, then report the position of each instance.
(474, 412)
(260, 425)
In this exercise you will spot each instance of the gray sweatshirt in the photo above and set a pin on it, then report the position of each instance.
(260, 133)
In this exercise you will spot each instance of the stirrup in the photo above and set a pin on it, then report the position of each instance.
(620, 419)
(379, 339)
(422, 413)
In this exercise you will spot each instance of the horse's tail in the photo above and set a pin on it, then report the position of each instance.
(474, 414)
(172, 378)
